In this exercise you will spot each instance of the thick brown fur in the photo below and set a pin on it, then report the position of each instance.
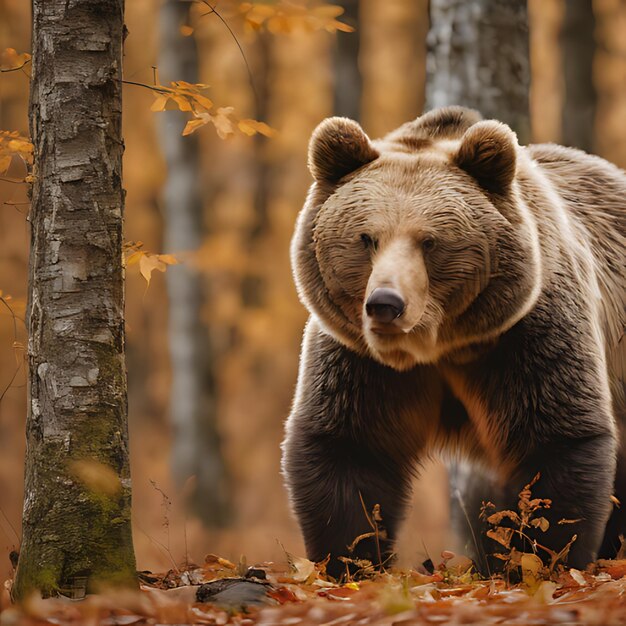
(509, 352)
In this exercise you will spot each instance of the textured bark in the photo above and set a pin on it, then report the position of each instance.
(578, 49)
(348, 82)
(478, 57)
(76, 522)
(193, 407)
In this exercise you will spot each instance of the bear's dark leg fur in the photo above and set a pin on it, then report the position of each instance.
(548, 410)
(351, 442)
(577, 475)
(616, 525)
(335, 483)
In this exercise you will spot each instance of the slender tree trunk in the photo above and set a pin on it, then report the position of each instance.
(76, 524)
(578, 49)
(478, 57)
(348, 81)
(193, 406)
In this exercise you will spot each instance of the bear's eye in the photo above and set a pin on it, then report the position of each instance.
(428, 244)
(368, 242)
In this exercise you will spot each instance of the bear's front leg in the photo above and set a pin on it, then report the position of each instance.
(351, 442)
(335, 484)
(541, 399)
(576, 474)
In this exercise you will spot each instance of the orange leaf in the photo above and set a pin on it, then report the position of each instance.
(160, 102)
(251, 127)
(182, 102)
(223, 123)
(5, 162)
(193, 125)
(168, 259)
(134, 257)
(148, 263)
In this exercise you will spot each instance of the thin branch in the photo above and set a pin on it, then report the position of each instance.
(15, 373)
(146, 86)
(8, 521)
(243, 54)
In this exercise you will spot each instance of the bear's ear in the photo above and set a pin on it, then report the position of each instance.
(488, 153)
(338, 146)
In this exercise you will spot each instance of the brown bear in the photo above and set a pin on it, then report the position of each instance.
(467, 296)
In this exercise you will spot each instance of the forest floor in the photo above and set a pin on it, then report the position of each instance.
(298, 593)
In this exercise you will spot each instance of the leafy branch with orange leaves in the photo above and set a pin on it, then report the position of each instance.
(519, 523)
(147, 261)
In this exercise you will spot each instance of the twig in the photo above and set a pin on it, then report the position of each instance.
(243, 54)
(8, 521)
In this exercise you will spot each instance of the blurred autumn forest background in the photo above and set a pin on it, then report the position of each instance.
(235, 276)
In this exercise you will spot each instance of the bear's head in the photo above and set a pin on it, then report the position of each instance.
(412, 247)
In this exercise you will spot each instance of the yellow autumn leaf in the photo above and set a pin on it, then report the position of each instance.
(342, 26)
(148, 263)
(328, 10)
(20, 145)
(5, 162)
(193, 125)
(182, 102)
(134, 257)
(203, 101)
(251, 127)
(168, 259)
(531, 566)
(183, 85)
(160, 102)
(185, 30)
(10, 59)
(223, 123)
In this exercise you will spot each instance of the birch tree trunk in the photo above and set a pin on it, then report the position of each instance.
(478, 57)
(193, 406)
(578, 50)
(76, 521)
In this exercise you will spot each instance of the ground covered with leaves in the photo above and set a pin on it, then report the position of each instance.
(298, 593)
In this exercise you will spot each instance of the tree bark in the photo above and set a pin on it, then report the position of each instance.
(578, 50)
(76, 521)
(193, 403)
(478, 57)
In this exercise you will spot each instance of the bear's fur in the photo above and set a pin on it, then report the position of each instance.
(507, 349)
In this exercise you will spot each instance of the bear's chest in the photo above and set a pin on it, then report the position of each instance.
(485, 425)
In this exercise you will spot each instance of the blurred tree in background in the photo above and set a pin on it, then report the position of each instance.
(196, 450)
(478, 56)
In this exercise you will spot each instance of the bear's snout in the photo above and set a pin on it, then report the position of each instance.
(384, 305)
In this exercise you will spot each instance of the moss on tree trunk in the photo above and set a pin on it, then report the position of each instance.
(76, 522)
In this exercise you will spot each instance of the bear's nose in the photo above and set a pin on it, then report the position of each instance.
(384, 305)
